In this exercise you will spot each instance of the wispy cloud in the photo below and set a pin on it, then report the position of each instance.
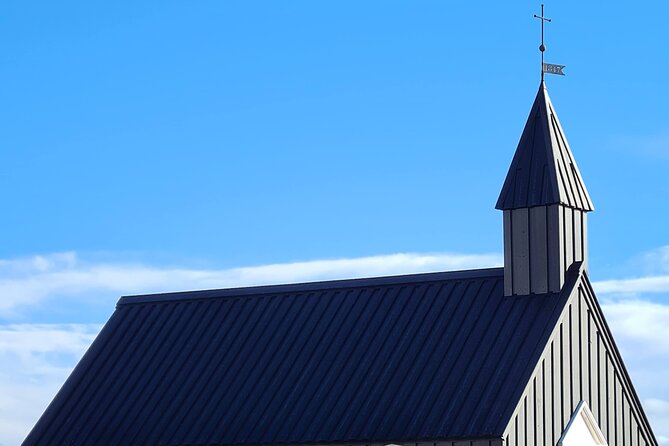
(655, 277)
(658, 410)
(639, 285)
(36, 359)
(642, 323)
(655, 146)
(639, 328)
(40, 356)
(29, 281)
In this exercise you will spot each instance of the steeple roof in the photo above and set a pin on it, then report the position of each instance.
(543, 170)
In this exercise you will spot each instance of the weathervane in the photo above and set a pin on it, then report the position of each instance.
(546, 67)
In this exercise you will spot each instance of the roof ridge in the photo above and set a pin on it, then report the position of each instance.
(257, 290)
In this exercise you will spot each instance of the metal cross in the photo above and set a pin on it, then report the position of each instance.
(542, 47)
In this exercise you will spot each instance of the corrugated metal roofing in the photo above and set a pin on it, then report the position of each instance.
(543, 170)
(428, 356)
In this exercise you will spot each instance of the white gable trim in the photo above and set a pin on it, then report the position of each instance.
(582, 422)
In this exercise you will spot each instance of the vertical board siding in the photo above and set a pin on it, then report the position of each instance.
(579, 363)
(521, 250)
(554, 236)
(539, 422)
(540, 245)
(584, 238)
(508, 255)
(538, 250)
(568, 236)
(473, 442)
(578, 236)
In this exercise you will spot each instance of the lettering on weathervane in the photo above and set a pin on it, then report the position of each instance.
(553, 69)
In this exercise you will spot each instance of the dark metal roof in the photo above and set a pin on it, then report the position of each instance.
(428, 356)
(543, 170)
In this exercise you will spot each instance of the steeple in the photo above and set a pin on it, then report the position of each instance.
(543, 170)
(545, 202)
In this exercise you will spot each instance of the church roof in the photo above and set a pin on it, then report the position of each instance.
(543, 170)
(427, 356)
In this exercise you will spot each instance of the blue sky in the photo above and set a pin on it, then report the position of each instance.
(151, 146)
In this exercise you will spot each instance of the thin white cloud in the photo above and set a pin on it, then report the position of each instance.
(27, 282)
(40, 356)
(650, 284)
(653, 278)
(639, 328)
(654, 146)
(642, 322)
(36, 359)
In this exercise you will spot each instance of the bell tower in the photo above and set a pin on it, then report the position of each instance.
(545, 205)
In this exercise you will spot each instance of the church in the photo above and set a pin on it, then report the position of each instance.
(519, 355)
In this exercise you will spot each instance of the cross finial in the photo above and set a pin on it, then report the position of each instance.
(542, 47)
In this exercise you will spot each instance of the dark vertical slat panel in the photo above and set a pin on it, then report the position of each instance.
(530, 424)
(584, 238)
(561, 236)
(575, 352)
(556, 389)
(538, 251)
(627, 421)
(603, 392)
(634, 430)
(568, 368)
(593, 368)
(521, 438)
(620, 423)
(521, 251)
(580, 349)
(554, 237)
(610, 402)
(565, 370)
(547, 390)
(585, 350)
(578, 236)
(540, 401)
(508, 255)
(512, 439)
(568, 236)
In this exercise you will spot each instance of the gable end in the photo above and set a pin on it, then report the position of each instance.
(580, 362)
